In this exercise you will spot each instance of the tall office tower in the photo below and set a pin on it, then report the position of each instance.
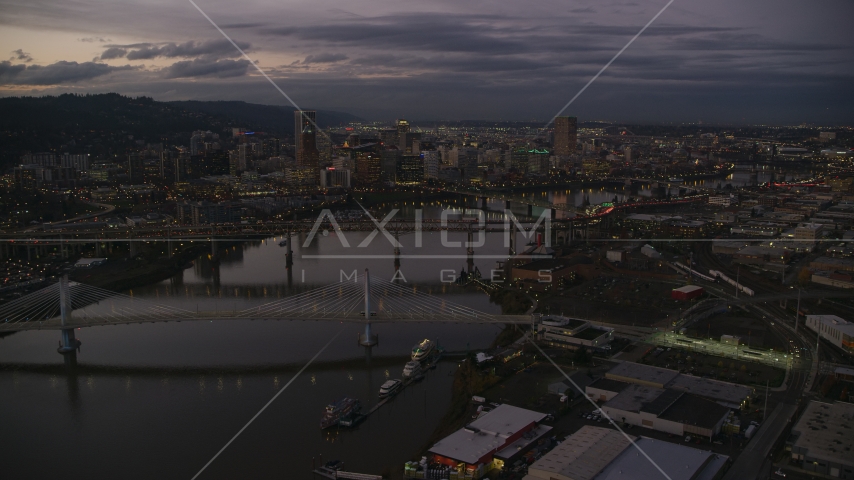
(388, 163)
(566, 136)
(196, 143)
(402, 126)
(324, 148)
(309, 156)
(242, 161)
(368, 168)
(304, 122)
(431, 163)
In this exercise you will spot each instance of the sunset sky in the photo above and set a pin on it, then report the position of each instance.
(730, 61)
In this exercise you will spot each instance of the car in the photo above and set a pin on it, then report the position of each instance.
(688, 439)
(780, 473)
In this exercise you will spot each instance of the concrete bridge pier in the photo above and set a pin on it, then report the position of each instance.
(512, 234)
(530, 210)
(169, 242)
(507, 204)
(470, 249)
(29, 253)
(134, 248)
(289, 256)
(214, 249)
(98, 248)
(483, 203)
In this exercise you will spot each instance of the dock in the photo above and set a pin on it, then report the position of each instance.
(335, 474)
(409, 381)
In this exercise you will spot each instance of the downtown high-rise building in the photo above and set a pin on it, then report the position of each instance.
(305, 142)
(566, 136)
(305, 121)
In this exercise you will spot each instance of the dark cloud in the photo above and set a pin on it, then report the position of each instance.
(212, 48)
(113, 52)
(55, 73)
(21, 55)
(94, 40)
(325, 58)
(207, 68)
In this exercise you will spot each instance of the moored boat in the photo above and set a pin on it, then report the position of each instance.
(412, 369)
(338, 410)
(389, 388)
(422, 350)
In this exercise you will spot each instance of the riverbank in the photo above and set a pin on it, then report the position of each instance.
(120, 274)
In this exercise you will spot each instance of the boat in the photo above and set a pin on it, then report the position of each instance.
(389, 388)
(412, 369)
(283, 243)
(422, 350)
(338, 410)
(418, 377)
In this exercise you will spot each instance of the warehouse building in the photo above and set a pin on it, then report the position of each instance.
(833, 329)
(559, 331)
(725, 393)
(688, 292)
(667, 410)
(595, 453)
(492, 440)
(823, 439)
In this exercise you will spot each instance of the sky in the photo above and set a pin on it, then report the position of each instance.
(779, 62)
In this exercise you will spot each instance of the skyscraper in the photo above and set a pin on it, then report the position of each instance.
(304, 122)
(402, 131)
(305, 141)
(566, 136)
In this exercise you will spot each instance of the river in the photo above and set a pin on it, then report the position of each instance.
(159, 400)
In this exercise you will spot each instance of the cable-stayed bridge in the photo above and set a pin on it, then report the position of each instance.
(71, 305)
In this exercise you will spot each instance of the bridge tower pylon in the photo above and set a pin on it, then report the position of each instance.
(368, 339)
(69, 344)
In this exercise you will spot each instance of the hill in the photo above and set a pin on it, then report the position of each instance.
(112, 124)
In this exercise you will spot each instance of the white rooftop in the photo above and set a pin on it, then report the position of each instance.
(487, 434)
(680, 462)
(596, 453)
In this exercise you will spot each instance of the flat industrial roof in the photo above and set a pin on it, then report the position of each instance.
(527, 440)
(641, 372)
(714, 389)
(826, 432)
(634, 397)
(596, 453)
(608, 385)
(690, 409)
(680, 462)
(688, 288)
(487, 433)
(660, 404)
(581, 456)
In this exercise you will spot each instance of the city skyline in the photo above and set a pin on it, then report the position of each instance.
(780, 63)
